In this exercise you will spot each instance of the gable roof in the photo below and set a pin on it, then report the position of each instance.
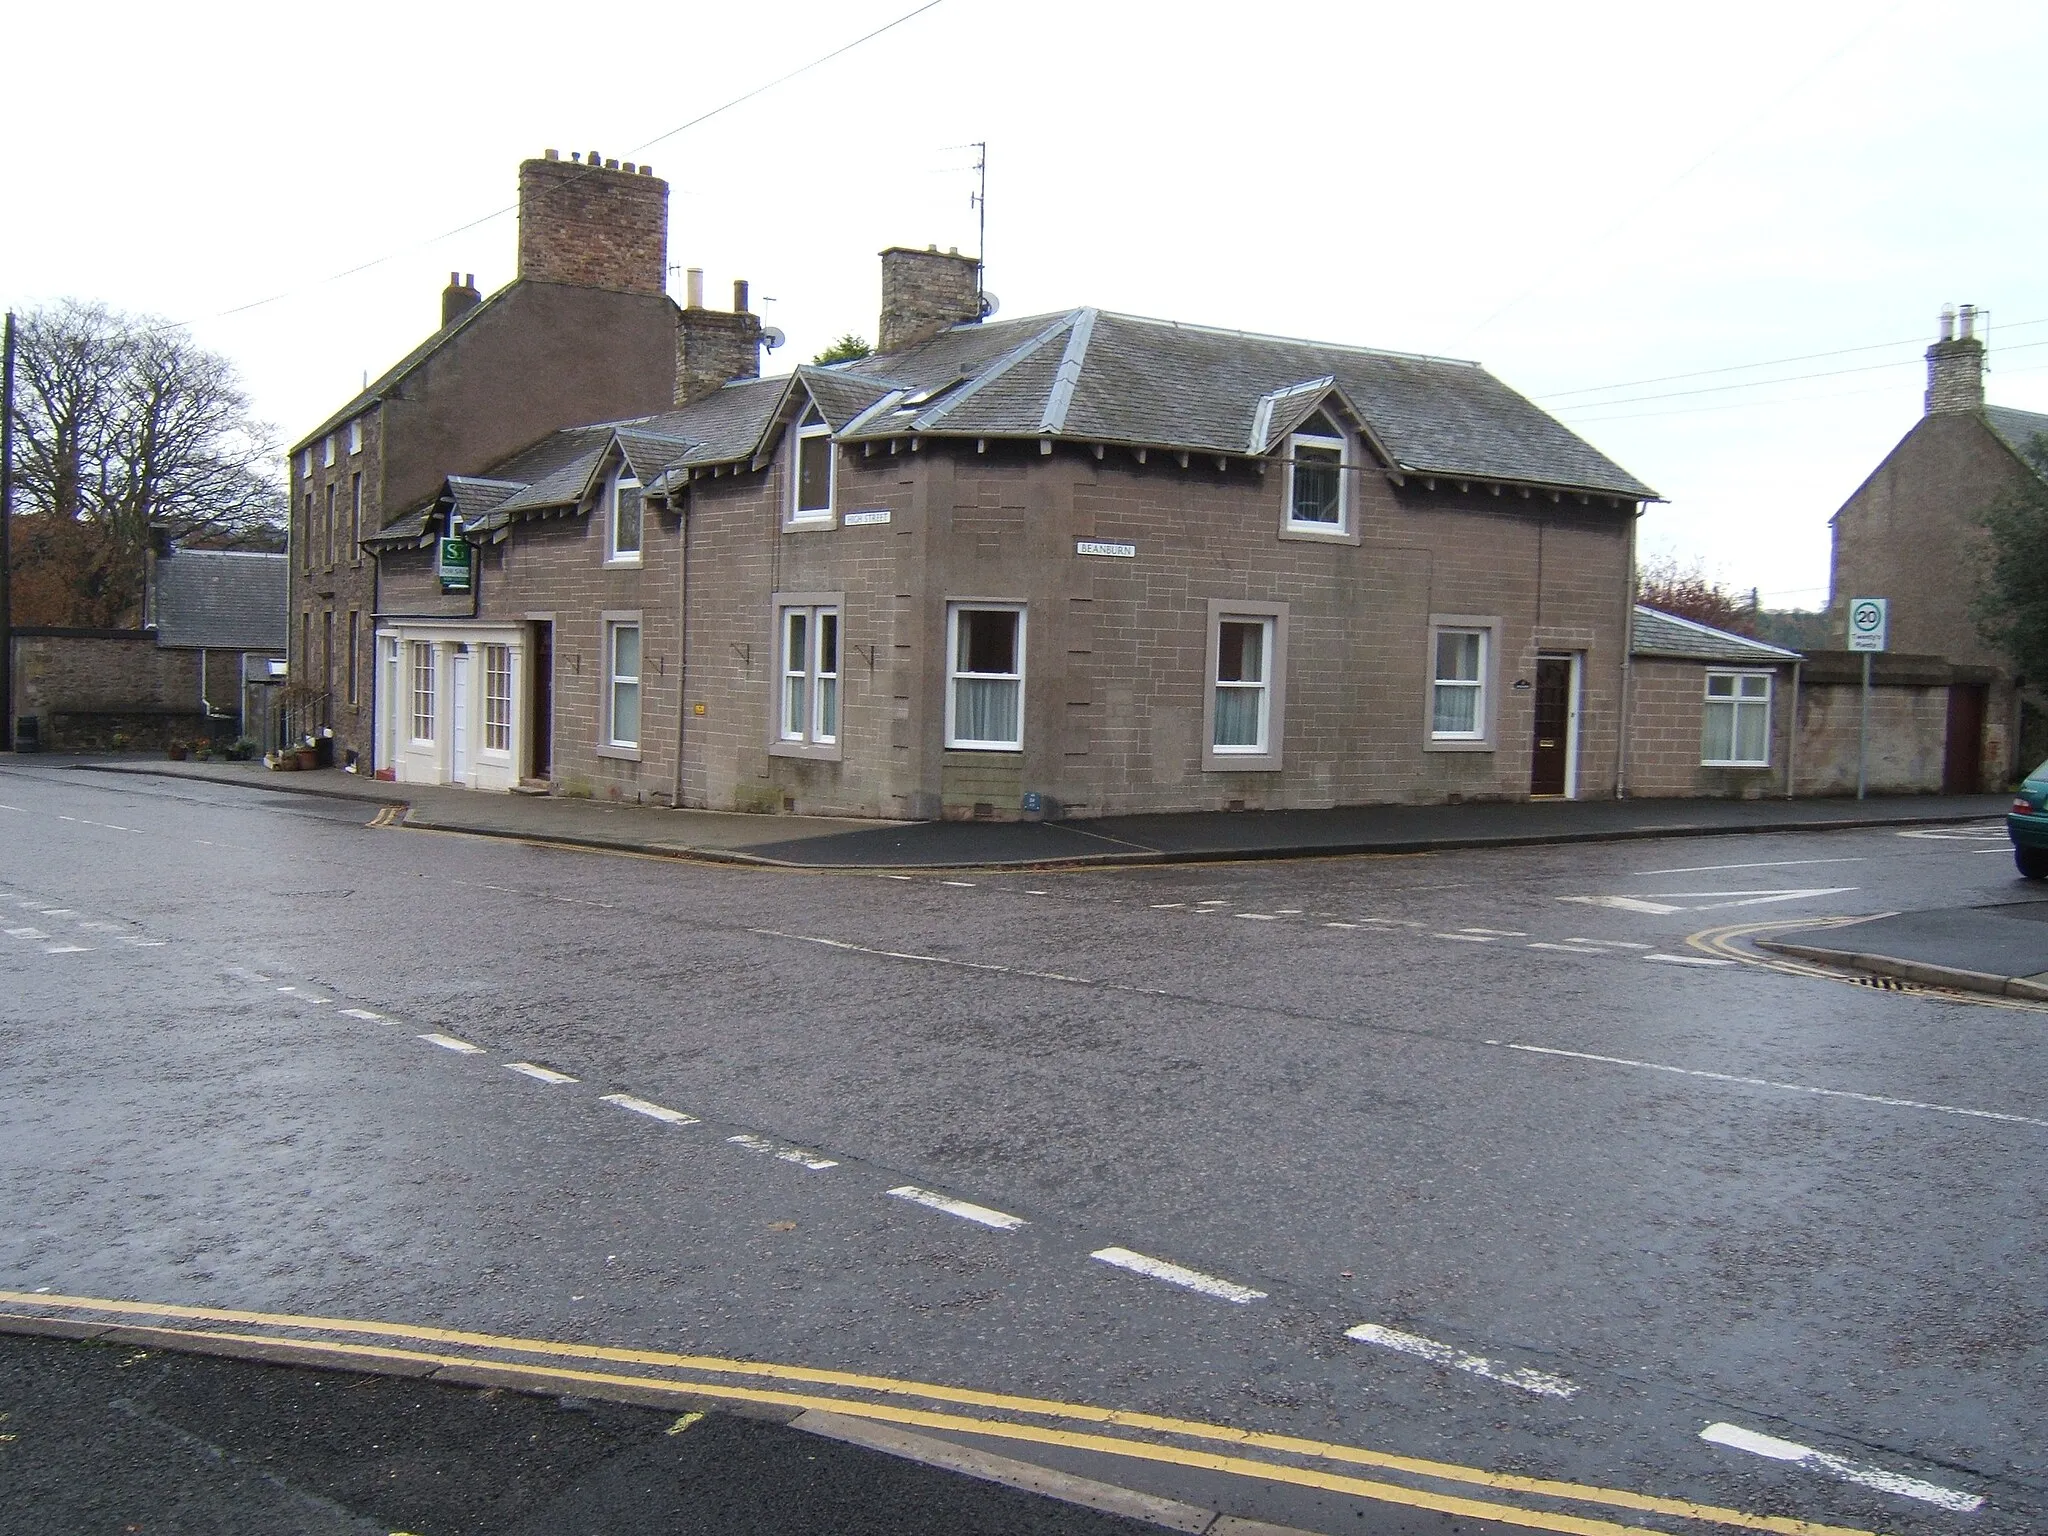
(388, 381)
(230, 600)
(2016, 429)
(1657, 633)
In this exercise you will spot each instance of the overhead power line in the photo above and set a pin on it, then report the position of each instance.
(499, 213)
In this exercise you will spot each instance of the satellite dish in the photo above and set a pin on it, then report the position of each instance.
(772, 337)
(989, 304)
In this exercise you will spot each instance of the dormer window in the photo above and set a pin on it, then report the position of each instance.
(1318, 499)
(811, 496)
(621, 499)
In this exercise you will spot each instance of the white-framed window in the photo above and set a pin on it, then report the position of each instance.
(622, 518)
(1460, 713)
(497, 697)
(305, 463)
(424, 662)
(985, 676)
(355, 435)
(1735, 721)
(1318, 490)
(808, 709)
(355, 517)
(330, 522)
(327, 451)
(1245, 693)
(622, 683)
(812, 471)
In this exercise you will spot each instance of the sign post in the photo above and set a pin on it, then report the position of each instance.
(1869, 620)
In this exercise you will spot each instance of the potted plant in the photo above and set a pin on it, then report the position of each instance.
(174, 749)
(307, 754)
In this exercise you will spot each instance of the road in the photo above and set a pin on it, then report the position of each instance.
(1513, 1164)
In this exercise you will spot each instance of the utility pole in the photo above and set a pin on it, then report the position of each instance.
(6, 551)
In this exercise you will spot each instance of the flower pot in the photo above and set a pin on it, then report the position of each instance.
(175, 752)
(308, 757)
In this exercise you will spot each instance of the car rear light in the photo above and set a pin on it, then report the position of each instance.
(2023, 807)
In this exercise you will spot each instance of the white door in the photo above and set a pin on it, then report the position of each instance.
(458, 735)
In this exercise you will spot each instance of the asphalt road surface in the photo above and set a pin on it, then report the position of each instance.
(1510, 1178)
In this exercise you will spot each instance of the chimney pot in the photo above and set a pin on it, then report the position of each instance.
(454, 279)
(1948, 322)
(739, 295)
(611, 165)
(1969, 317)
(469, 279)
(575, 157)
(630, 168)
(693, 288)
(553, 154)
(594, 158)
(646, 170)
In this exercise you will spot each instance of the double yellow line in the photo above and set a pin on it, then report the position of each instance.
(1143, 1436)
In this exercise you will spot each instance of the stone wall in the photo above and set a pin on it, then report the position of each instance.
(594, 225)
(106, 690)
(1667, 705)
(925, 291)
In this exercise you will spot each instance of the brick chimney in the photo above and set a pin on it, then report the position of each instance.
(594, 223)
(458, 298)
(923, 292)
(712, 345)
(1955, 366)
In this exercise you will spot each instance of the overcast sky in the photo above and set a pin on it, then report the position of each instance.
(1578, 196)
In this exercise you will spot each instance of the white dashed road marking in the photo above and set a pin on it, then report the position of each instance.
(26, 933)
(65, 949)
(1260, 917)
(652, 1111)
(1765, 1082)
(1174, 1274)
(1542, 1383)
(1704, 869)
(538, 1074)
(368, 1016)
(788, 1154)
(960, 885)
(1687, 959)
(1466, 938)
(1568, 949)
(966, 1210)
(450, 1043)
(1840, 1467)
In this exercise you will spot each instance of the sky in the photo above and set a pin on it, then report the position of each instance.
(1713, 240)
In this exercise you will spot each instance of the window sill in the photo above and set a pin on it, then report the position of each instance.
(624, 562)
(814, 523)
(1752, 767)
(1315, 533)
(817, 752)
(1010, 749)
(1434, 745)
(622, 754)
(1249, 762)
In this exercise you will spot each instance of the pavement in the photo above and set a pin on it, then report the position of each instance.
(2001, 949)
(820, 842)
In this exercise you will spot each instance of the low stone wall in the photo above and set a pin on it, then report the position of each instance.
(107, 690)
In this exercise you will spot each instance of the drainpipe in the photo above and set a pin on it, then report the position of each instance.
(1792, 730)
(1628, 645)
(683, 663)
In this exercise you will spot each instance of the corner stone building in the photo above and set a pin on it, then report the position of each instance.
(1910, 534)
(1078, 563)
(583, 332)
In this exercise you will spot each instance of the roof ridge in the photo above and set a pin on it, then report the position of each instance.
(1061, 396)
(1241, 333)
(994, 371)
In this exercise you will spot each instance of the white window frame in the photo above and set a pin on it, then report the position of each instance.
(812, 426)
(355, 436)
(1735, 704)
(619, 481)
(1481, 737)
(424, 693)
(495, 663)
(1266, 757)
(609, 744)
(807, 671)
(1318, 442)
(954, 676)
(305, 463)
(327, 451)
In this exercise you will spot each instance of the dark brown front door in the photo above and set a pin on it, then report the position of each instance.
(540, 717)
(1553, 725)
(1962, 763)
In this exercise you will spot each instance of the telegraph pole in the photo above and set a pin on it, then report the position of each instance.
(6, 552)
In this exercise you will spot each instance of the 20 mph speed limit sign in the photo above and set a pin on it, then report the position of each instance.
(1868, 619)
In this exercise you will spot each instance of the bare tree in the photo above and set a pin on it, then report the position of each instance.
(1670, 586)
(123, 424)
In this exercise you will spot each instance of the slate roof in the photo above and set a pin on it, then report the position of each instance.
(1085, 375)
(225, 600)
(1665, 634)
(2016, 429)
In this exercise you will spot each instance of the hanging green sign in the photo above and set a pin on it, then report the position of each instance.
(454, 563)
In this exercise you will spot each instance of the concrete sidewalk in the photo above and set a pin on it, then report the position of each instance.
(2000, 949)
(814, 842)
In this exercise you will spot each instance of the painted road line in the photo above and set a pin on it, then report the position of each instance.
(1542, 1383)
(652, 1111)
(26, 933)
(1498, 933)
(1625, 904)
(1340, 925)
(1174, 1274)
(966, 1210)
(367, 1015)
(1287, 911)
(945, 960)
(1841, 1468)
(1705, 869)
(787, 1154)
(1467, 938)
(147, 943)
(1765, 1082)
(1167, 906)
(538, 1074)
(98, 927)
(1569, 949)
(888, 1391)
(450, 1043)
(1259, 917)
(66, 949)
(1686, 959)
(56, 911)
(959, 885)
(1610, 943)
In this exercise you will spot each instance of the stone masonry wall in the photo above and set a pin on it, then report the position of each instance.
(596, 226)
(1667, 703)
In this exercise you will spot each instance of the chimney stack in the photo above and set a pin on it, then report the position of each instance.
(712, 346)
(458, 298)
(925, 291)
(593, 224)
(1955, 366)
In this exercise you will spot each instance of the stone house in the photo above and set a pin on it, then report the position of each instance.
(1909, 533)
(584, 331)
(1710, 713)
(1078, 563)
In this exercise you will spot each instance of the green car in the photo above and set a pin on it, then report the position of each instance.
(2027, 821)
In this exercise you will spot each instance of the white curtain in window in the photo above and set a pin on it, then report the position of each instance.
(1456, 710)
